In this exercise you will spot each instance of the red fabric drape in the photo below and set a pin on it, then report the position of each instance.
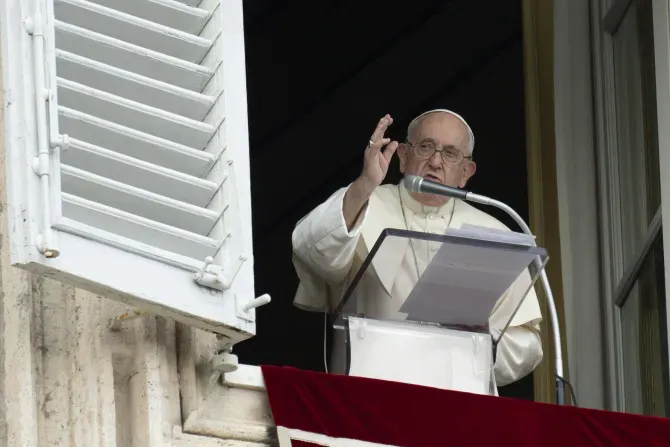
(409, 415)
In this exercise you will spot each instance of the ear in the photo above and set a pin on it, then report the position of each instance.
(469, 169)
(402, 156)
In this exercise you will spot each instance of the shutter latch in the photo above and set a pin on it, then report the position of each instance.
(244, 309)
(212, 276)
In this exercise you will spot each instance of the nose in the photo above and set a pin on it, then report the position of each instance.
(436, 160)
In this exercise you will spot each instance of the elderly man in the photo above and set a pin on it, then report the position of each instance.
(331, 242)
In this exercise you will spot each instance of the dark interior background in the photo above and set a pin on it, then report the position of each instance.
(320, 74)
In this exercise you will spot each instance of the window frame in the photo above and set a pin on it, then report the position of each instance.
(607, 15)
(661, 13)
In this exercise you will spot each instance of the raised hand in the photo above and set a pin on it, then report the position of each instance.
(376, 161)
(375, 166)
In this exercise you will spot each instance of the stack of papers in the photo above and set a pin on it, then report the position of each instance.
(463, 282)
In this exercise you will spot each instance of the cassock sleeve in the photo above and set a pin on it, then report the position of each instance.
(323, 251)
(520, 349)
(519, 352)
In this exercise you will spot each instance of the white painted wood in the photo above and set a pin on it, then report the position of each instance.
(129, 227)
(132, 29)
(232, 75)
(165, 12)
(142, 61)
(134, 115)
(661, 15)
(137, 201)
(134, 172)
(133, 86)
(142, 282)
(139, 241)
(193, 3)
(209, 5)
(134, 143)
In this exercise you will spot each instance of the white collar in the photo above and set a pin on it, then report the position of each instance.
(418, 208)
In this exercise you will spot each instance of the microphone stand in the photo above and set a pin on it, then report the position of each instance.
(560, 386)
(419, 184)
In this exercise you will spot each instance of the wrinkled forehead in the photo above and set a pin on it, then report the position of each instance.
(442, 128)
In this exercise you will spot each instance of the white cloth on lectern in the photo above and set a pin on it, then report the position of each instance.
(326, 255)
(420, 354)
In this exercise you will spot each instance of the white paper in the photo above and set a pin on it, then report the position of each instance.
(462, 283)
(492, 234)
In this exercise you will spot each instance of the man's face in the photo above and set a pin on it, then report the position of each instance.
(446, 132)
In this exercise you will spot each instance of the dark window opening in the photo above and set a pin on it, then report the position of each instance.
(320, 74)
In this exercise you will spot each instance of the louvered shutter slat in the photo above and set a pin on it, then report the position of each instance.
(166, 12)
(130, 85)
(137, 201)
(134, 143)
(127, 56)
(133, 30)
(132, 227)
(130, 113)
(135, 172)
(193, 3)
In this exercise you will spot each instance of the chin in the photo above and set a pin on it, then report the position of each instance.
(438, 200)
(429, 200)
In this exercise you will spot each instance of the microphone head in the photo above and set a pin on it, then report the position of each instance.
(413, 183)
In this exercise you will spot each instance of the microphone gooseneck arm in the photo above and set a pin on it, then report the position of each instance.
(560, 389)
(421, 185)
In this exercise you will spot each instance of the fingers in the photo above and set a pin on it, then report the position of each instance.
(390, 150)
(377, 137)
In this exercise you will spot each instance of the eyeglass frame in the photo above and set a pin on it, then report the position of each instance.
(440, 150)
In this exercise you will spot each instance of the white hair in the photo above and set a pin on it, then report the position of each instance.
(471, 136)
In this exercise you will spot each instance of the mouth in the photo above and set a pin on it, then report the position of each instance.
(432, 178)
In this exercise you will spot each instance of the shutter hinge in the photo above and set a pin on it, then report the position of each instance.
(60, 141)
(44, 241)
(212, 276)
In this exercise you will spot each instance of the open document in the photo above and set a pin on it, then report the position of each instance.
(464, 280)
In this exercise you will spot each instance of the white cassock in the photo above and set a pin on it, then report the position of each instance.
(326, 256)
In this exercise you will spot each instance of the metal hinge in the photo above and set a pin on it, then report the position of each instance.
(44, 241)
(213, 276)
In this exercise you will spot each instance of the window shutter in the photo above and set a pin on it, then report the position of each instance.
(127, 153)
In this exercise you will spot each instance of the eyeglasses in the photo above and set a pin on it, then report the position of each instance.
(425, 149)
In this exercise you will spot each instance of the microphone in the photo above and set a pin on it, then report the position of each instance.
(418, 184)
(415, 183)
